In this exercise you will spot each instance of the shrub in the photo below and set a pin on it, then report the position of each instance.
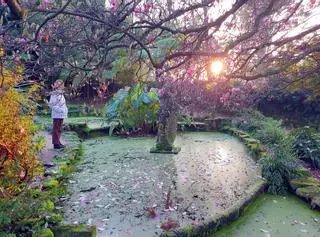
(306, 145)
(266, 129)
(280, 165)
(28, 212)
(270, 132)
(279, 168)
(135, 107)
(18, 146)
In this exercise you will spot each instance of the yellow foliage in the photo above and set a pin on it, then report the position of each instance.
(18, 147)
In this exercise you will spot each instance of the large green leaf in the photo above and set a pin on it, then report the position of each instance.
(166, 43)
(137, 108)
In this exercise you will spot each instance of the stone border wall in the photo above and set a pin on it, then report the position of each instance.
(221, 219)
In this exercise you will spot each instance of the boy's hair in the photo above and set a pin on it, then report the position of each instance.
(58, 84)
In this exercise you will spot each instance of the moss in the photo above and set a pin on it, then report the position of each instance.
(188, 230)
(235, 132)
(253, 144)
(47, 206)
(254, 147)
(303, 172)
(304, 182)
(80, 150)
(309, 192)
(163, 146)
(193, 126)
(229, 215)
(64, 171)
(75, 231)
(55, 192)
(250, 140)
(165, 150)
(50, 183)
(43, 233)
(243, 136)
(263, 154)
(55, 218)
(67, 167)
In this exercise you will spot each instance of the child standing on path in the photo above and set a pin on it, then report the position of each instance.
(59, 111)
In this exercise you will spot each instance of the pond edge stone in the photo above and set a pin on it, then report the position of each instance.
(221, 219)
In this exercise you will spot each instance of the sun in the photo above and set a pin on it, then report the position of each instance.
(216, 67)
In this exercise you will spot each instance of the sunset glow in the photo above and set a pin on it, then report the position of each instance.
(216, 67)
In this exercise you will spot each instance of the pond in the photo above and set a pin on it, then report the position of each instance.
(125, 190)
(275, 216)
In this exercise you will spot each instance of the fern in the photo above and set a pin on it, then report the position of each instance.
(306, 145)
(279, 168)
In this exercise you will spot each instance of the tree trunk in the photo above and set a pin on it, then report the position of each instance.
(16, 9)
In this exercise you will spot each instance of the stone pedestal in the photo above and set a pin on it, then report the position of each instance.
(166, 135)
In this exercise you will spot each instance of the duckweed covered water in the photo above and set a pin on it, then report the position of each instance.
(274, 216)
(119, 179)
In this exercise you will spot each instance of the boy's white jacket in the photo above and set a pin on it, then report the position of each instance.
(58, 105)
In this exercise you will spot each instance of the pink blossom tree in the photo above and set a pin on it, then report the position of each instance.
(254, 39)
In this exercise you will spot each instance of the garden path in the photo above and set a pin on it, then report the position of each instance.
(48, 153)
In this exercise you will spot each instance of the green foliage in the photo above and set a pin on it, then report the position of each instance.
(47, 206)
(250, 121)
(33, 208)
(186, 119)
(279, 168)
(306, 145)
(265, 129)
(162, 46)
(2, 234)
(270, 132)
(113, 107)
(51, 183)
(134, 108)
(279, 164)
(44, 233)
(17, 212)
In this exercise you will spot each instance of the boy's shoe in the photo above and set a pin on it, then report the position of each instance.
(59, 146)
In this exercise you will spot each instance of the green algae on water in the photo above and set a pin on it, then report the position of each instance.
(275, 216)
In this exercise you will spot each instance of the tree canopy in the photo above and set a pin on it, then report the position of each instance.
(254, 38)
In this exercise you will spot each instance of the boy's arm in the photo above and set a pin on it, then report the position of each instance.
(52, 102)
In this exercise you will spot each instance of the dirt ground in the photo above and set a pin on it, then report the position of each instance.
(127, 191)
